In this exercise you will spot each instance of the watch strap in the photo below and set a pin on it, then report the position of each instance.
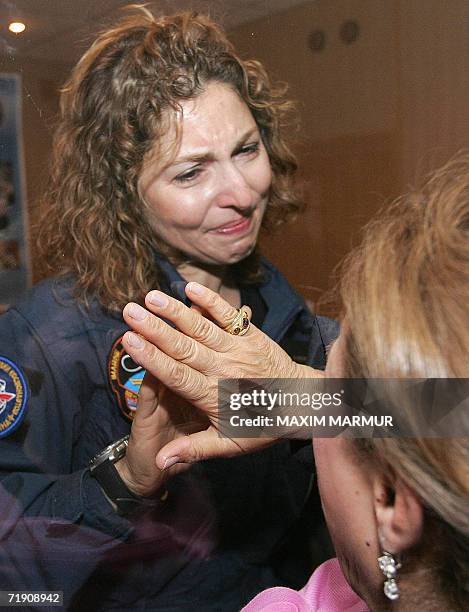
(116, 490)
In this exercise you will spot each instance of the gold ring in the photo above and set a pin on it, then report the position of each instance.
(240, 323)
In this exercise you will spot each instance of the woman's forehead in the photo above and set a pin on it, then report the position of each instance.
(217, 117)
(216, 113)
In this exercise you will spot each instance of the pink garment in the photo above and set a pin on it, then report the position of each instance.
(326, 591)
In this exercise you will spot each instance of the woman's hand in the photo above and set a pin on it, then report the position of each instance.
(161, 417)
(191, 359)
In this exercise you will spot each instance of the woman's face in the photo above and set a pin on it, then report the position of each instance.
(208, 197)
(346, 488)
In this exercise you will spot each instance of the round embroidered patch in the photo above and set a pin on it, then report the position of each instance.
(13, 396)
(125, 378)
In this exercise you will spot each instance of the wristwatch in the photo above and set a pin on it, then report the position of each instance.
(103, 469)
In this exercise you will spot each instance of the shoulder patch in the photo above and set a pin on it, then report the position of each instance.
(13, 396)
(125, 377)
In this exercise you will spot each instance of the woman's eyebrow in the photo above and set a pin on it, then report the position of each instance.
(253, 131)
(192, 157)
(207, 156)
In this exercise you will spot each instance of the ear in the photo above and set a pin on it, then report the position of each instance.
(399, 515)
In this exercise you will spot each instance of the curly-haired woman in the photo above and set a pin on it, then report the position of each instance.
(168, 160)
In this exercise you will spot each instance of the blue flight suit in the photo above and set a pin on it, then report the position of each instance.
(209, 546)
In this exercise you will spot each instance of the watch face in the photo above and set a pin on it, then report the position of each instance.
(112, 453)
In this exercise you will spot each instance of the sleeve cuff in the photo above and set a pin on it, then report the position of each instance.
(98, 511)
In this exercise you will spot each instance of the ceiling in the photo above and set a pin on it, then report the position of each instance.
(59, 30)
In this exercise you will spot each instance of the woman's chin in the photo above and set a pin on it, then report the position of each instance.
(240, 255)
(232, 256)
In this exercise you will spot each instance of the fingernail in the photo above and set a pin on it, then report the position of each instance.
(169, 462)
(157, 299)
(196, 288)
(136, 312)
(134, 340)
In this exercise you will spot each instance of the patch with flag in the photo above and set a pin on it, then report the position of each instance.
(13, 396)
(125, 377)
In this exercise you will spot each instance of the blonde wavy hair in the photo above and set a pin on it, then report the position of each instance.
(405, 293)
(112, 109)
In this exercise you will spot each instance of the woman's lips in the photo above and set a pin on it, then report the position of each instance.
(237, 227)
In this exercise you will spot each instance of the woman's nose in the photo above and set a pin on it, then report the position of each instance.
(234, 190)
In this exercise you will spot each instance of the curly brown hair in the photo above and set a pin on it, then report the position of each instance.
(93, 225)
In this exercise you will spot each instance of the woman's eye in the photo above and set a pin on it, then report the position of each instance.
(188, 176)
(249, 148)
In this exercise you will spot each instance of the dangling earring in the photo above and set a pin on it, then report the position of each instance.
(389, 566)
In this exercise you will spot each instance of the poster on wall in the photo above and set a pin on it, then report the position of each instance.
(14, 256)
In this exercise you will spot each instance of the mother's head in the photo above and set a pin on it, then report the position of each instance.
(148, 91)
(405, 294)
